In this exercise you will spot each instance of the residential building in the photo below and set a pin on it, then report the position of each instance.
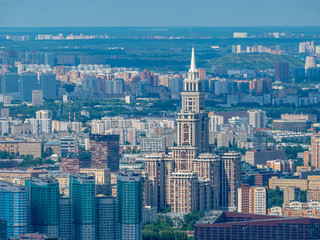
(315, 151)
(48, 85)
(230, 180)
(37, 98)
(28, 83)
(252, 199)
(105, 151)
(291, 194)
(256, 118)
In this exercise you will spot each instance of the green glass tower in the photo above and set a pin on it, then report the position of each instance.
(43, 195)
(82, 193)
(129, 187)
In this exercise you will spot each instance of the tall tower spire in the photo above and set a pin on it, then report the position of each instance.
(193, 62)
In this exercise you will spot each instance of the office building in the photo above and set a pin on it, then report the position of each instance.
(48, 85)
(153, 145)
(283, 183)
(256, 118)
(254, 157)
(13, 208)
(43, 196)
(108, 226)
(82, 195)
(28, 82)
(291, 125)
(3, 229)
(105, 151)
(129, 191)
(247, 226)
(68, 144)
(282, 71)
(66, 225)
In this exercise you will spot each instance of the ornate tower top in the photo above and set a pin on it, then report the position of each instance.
(193, 62)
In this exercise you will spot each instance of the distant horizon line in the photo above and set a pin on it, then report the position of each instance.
(227, 26)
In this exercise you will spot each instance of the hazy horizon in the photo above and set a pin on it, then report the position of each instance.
(165, 13)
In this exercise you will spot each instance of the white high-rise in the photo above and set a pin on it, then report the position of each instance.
(257, 118)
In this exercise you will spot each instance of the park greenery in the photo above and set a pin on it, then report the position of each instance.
(292, 152)
(167, 228)
(275, 197)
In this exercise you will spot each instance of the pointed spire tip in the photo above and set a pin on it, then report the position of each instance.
(193, 62)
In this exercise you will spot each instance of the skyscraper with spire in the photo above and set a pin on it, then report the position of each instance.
(192, 121)
(190, 176)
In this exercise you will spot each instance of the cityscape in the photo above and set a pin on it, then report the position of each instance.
(124, 129)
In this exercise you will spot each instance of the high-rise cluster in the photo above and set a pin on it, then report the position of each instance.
(192, 178)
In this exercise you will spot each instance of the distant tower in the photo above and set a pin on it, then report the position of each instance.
(310, 62)
(192, 122)
(281, 71)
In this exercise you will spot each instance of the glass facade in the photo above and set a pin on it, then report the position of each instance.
(82, 192)
(13, 208)
(129, 190)
(43, 195)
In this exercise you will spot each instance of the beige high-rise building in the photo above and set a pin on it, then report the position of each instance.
(230, 180)
(192, 122)
(208, 167)
(189, 178)
(291, 194)
(102, 175)
(155, 166)
(315, 151)
(184, 191)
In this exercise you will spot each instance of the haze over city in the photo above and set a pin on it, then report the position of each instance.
(61, 13)
(159, 120)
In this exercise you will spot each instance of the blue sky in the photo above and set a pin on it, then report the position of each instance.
(56, 13)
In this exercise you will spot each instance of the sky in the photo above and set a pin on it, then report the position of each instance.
(68, 13)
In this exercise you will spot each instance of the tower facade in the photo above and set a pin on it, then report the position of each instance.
(13, 209)
(82, 192)
(129, 190)
(192, 121)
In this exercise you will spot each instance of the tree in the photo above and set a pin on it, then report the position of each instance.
(178, 235)
(190, 219)
(303, 196)
(149, 235)
(166, 235)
